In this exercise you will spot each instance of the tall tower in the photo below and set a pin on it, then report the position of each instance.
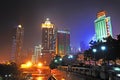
(19, 43)
(103, 26)
(47, 36)
(62, 42)
(13, 49)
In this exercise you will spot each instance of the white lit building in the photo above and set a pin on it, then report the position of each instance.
(37, 54)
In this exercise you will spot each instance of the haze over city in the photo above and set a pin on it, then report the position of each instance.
(76, 15)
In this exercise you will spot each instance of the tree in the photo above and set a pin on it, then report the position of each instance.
(118, 37)
(87, 54)
(10, 70)
(55, 62)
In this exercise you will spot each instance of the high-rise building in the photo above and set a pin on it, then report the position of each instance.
(47, 36)
(62, 42)
(19, 43)
(13, 49)
(103, 26)
(37, 54)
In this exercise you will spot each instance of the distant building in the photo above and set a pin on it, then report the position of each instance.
(13, 49)
(18, 44)
(37, 54)
(103, 26)
(47, 36)
(62, 42)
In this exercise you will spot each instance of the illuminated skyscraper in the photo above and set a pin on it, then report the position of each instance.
(103, 26)
(37, 54)
(19, 43)
(62, 42)
(47, 36)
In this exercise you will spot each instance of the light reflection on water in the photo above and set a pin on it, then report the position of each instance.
(40, 78)
(62, 75)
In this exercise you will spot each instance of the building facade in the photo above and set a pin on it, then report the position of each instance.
(103, 26)
(47, 36)
(62, 43)
(13, 49)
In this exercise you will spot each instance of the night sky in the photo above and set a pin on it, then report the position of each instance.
(76, 15)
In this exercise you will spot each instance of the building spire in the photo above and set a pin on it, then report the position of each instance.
(47, 24)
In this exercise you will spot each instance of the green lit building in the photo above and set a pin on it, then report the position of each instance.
(103, 26)
(62, 42)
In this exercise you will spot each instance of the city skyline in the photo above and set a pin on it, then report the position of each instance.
(77, 16)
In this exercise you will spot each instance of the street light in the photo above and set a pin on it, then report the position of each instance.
(55, 61)
(70, 60)
(70, 56)
(94, 50)
(60, 59)
(103, 48)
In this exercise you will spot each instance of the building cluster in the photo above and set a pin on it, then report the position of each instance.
(54, 42)
(57, 42)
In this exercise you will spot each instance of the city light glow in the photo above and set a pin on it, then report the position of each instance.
(40, 64)
(19, 26)
(27, 65)
(40, 78)
(23, 66)
(63, 79)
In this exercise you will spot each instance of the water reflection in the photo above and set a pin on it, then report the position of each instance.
(40, 78)
(62, 75)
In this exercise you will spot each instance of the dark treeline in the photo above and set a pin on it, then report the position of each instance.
(9, 71)
(111, 52)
